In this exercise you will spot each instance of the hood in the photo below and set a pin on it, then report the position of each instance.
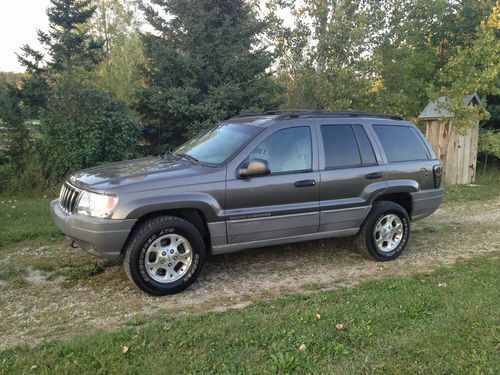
(138, 172)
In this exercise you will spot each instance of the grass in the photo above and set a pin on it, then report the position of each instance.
(24, 219)
(74, 273)
(487, 186)
(14, 277)
(444, 322)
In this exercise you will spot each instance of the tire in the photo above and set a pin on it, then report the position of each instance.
(376, 239)
(149, 255)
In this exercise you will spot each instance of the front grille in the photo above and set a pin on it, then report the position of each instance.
(68, 198)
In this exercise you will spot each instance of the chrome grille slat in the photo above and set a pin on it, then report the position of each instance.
(73, 200)
(65, 198)
(68, 198)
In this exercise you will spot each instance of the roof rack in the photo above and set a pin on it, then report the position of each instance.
(316, 112)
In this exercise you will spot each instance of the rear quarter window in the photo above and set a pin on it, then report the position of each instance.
(401, 143)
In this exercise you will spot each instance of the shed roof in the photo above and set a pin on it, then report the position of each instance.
(431, 110)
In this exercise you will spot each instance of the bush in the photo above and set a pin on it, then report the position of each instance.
(28, 180)
(83, 126)
(489, 142)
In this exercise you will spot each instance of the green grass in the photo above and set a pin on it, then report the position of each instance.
(442, 323)
(25, 219)
(13, 276)
(486, 187)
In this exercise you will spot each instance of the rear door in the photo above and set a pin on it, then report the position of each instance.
(283, 203)
(407, 156)
(352, 172)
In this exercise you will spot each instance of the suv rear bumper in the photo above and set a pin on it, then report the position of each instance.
(101, 237)
(425, 202)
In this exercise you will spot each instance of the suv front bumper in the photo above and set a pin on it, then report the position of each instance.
(101, 237)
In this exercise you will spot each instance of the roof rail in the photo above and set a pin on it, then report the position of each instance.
(248, 114)
(316, 112)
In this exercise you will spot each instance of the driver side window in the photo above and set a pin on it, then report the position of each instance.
(287, 150)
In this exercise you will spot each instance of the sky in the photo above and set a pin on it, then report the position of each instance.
(19, 20)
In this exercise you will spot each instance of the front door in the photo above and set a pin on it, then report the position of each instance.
(283, 203)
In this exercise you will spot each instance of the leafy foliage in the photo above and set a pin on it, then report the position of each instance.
(386, 56)
(489, 142)
(80, 123)
(472, 69)
(12, 119)
(117, 23)
(204, 61)
(88, 125)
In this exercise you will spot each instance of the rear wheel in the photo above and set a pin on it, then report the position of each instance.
(164, 255)
(385, 231)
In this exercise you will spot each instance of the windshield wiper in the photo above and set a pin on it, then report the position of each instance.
(189, 157)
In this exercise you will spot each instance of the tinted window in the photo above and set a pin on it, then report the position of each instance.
(286, 150)
(365, 147)
(401, 142)
(341, 148)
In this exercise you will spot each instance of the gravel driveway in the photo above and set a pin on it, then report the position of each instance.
(45, 307)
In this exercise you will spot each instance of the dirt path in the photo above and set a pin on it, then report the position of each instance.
(42, 309)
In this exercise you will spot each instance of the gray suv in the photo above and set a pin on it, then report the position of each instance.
(253, 181)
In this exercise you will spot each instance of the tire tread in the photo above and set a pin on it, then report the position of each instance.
(139, 234)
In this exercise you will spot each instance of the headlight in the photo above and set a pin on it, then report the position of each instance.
(97, 205)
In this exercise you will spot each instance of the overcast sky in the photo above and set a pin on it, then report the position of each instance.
(19, 20)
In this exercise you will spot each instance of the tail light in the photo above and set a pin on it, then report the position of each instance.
(438, 173)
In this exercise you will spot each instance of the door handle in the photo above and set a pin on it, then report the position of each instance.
(305, 183)
(373, 176)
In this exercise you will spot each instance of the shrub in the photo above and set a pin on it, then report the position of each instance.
(83, 126)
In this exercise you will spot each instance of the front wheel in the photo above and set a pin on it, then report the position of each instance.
(164, 255)
(385, 232)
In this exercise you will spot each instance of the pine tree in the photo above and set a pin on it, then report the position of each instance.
(204, 63)
(68, 42)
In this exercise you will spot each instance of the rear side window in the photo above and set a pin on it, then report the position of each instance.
(401, 143)
(341, 148)
(346, 146)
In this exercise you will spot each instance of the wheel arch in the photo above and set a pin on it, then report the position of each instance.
(192, 215)
(404, 199)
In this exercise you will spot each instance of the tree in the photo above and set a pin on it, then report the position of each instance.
(80, 123)
(68, 42)
(378, 55)
(327, 50)
(205, 62)
(116, 22)
(84, 126)
(418, 40)
(473, 69)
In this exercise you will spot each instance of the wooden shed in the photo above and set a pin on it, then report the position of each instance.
(457, 152)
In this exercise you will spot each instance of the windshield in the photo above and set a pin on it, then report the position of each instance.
(218, 143)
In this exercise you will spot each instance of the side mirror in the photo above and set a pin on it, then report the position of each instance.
(256, 167)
